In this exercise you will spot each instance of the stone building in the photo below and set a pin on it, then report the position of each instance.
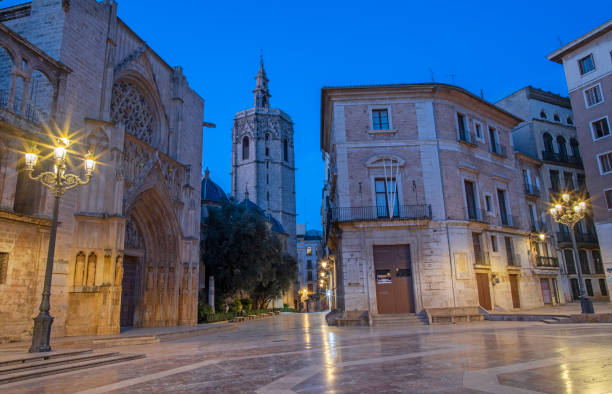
(423, 206)
(263, 161)
(309, 254)
(127, 244)
(548, 135)
(587, 62)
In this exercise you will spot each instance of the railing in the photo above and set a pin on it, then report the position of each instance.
(561, 158)
(545, 261)
(588, 238)
(402, 212)
(514, 260)
(509, 221)
(531, 189)
(477, 215)
(482, 258)
(31, 112)
(498, 149)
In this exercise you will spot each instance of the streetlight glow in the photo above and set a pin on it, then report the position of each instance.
(30, 160)
(542, 236)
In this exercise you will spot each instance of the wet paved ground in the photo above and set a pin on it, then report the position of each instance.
(299, 353)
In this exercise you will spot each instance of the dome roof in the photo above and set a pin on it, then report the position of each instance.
(211, 192)
(277, 227)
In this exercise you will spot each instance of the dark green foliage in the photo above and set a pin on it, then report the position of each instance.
(247, 304)
(243, 255)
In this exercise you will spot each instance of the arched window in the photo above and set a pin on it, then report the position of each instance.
(548, 142)
(556, 118)
(562, 147)
(6, 67)
(245, 148)
(570, 120)
(40, 96)
(574, 147)
(267, 144)
(285, 150)
(543, 114)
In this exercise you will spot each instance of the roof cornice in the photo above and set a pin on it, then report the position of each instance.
(557, 56)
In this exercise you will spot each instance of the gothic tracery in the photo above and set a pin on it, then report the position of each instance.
(129, 106)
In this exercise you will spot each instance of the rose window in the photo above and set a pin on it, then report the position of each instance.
(129, 106)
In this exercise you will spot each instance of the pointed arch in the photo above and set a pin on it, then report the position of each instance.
(245, 147)
(548, 142)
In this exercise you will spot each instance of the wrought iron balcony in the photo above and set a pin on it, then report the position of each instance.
(498, 149)
(561, 158)
(482, 258)
(547, 262)
(477, 215)
(401, 212)
(531, 189)
(584, 238)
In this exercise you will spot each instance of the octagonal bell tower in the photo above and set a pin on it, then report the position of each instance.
(263, 165)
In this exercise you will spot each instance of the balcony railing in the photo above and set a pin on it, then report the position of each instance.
(585, 238)
(31, 112)
(531, 189)
(498, 149)
(561, 158)
(547, 262)
(509, 221)
(402, 212)
(482, 258)
(477, 215)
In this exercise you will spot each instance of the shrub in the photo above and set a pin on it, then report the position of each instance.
(237, 306)
(247, 304)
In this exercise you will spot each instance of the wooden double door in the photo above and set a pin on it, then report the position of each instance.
(393, 276)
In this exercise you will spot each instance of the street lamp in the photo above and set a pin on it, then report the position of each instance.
(568, 211)
(59, 182)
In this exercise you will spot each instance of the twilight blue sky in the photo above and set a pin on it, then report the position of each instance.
(496, 46)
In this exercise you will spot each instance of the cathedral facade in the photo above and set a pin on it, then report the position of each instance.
(127, 248)
(263, 162)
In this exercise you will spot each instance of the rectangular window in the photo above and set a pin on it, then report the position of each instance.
(309, 276)
(464, 134)
(478, 128)
(584, 262)
(380, 119)
(533, 218)
(308, 250)
(608, 194)
(503, 207)
(593, 96)
(478, 255)
(554, 181)
(589, 287)
(309, 264)
(386, 197)
(310, 288)
(3, 267)
(605, 163)
(603, 287)
(470, 199)
(488, 204)
(495, 147)
(597, 263)
(586, 64)
(510, 251)
(494, 243)
(568, 178)
(600, 128)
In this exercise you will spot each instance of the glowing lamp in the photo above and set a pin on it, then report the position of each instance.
(558, 207)
(90, 164)
(60, 153)
(565, 197)
(582, 205)
(542, 236)
(323, 264)
(30, 160)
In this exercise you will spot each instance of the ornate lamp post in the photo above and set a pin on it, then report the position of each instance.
(568, 211)
(59, 182)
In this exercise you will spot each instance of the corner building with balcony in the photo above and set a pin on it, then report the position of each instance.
(127, 247)
(422, 203)
(547, 139)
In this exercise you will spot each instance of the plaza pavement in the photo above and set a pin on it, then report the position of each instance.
(300, 353)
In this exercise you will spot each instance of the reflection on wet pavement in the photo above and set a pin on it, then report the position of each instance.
(300, 353)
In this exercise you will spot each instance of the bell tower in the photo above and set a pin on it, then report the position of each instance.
(263, 165)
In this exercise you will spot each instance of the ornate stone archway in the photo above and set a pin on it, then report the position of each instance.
(152, 263)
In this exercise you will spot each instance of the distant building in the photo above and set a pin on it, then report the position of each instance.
(587, 62)
(548, 137)
(309, 254)
(423, 204)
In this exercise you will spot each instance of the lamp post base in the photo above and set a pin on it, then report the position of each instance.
(587, 305)
(42, 333)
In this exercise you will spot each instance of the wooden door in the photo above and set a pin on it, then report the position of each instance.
(546, 295)
(393, 276)
(516, 303)
(484, 296)
(129, 290)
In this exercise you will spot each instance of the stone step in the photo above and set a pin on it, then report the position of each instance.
(401, 319)
(34, 357)
(125, 341)
(55, 361)
(111, 358)
(557, 320)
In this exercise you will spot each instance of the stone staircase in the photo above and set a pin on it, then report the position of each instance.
(399, 320)
(30, 366)
(557, 320)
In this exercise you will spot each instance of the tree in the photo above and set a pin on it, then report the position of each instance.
(243, 254)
